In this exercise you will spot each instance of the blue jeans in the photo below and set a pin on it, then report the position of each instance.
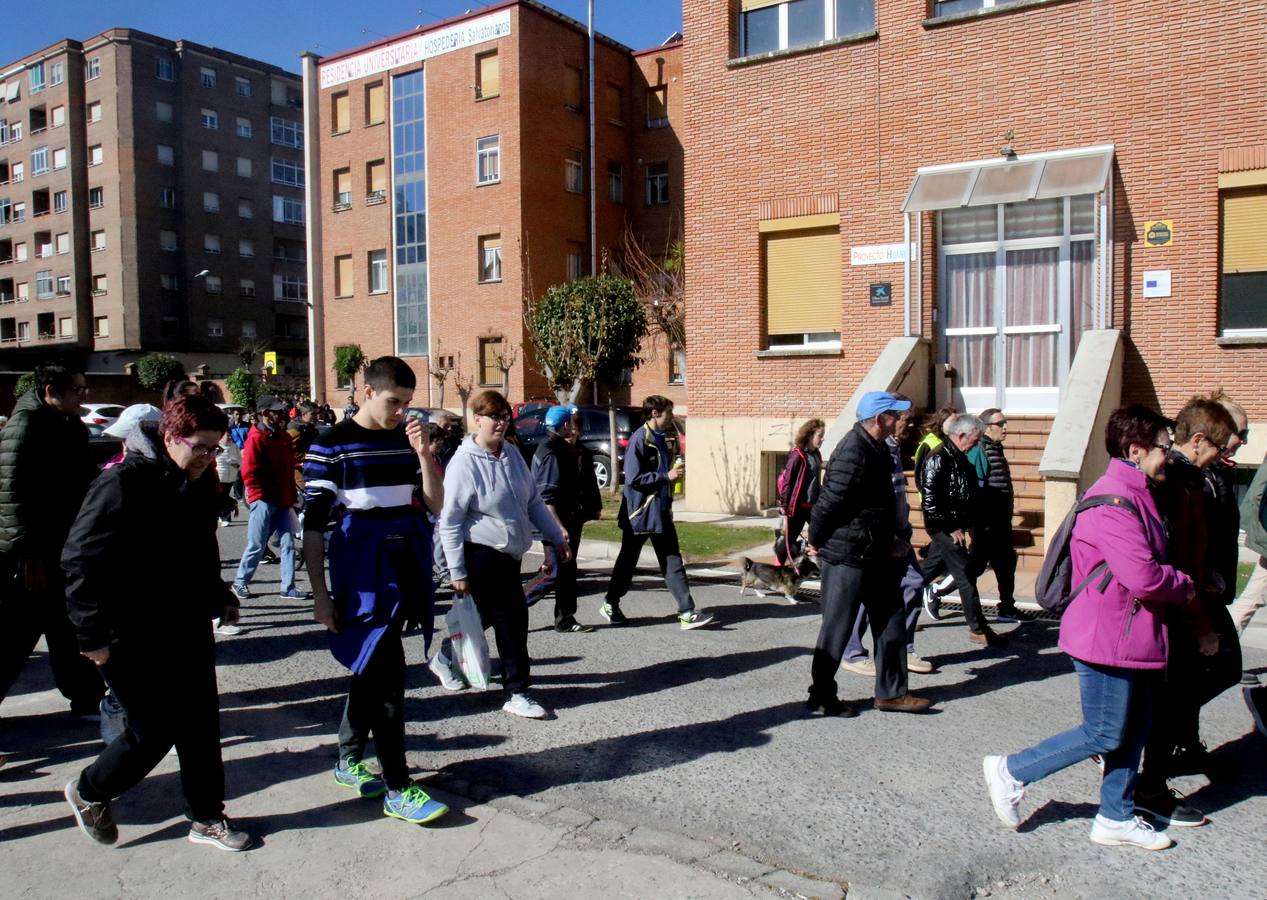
(265, 519)
(1117, 707)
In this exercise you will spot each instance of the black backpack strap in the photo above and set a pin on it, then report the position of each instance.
(1103, 568)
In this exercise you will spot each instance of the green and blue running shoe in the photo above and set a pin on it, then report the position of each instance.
(413, 804)
(694, 619)
(353, 774)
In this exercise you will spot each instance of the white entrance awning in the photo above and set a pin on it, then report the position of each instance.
(1033, 176)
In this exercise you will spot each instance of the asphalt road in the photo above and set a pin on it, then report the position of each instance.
(703, 734)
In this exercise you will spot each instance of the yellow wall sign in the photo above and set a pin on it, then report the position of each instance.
(270, 362)
(1159, 233)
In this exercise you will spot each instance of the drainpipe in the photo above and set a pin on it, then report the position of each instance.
(906, 276)
(593, 216)
(313, 211)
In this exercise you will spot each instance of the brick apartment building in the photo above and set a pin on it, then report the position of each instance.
(996, 177)
(453, 183)
(130, 164)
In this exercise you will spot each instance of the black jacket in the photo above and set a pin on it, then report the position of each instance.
(45, 469)
(948, 483)
(996, 494)
(855, 518)
(565, 476)
(1223, 524)
(142, 562)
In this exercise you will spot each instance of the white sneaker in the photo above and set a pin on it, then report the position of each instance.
(1135, 833)
(228, 629)
(917, 664)
(525, 706)
(865, 666)
(1005, 791)
(442, 669)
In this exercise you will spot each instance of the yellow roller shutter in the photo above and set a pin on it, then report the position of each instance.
(343, 182)
(1245, 232)
(377, 177)
(750, 5)
(658, 104)
(374, 104)
(342, 113)
(803, 281)
(572, 88)
(343, 276)
(489, 75)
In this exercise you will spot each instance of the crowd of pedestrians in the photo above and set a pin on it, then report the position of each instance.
(383, 509)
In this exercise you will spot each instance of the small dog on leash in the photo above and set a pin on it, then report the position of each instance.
(782, 579)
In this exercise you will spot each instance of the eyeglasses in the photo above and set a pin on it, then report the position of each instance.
(503, 418)
(1165, 448)
(1001, 423)
(202, 451)
(80, 389)
(1243, 434)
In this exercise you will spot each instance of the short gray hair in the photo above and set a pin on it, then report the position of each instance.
(963, 423)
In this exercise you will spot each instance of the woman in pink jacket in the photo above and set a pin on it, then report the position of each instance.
(1116, 634)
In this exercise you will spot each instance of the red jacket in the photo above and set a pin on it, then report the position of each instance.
(268, 467)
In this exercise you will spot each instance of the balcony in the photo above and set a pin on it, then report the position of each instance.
(374, 198)
(342, 201)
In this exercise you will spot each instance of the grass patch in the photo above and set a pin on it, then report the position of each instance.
(700, 541)
(1243, 571)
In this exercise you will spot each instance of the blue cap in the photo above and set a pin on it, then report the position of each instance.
(557, 415)
(875, 402)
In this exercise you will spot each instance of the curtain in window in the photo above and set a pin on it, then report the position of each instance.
(970, 304)
(1032, 299)
(1081, 292)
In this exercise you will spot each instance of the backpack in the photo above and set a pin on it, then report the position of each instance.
(784, 486)
(1054, 589)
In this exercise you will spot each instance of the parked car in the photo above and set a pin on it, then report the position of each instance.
(429, 413)
(103, 414)
(230, 408)
(518, 409)
(102, 447)
(595, 434)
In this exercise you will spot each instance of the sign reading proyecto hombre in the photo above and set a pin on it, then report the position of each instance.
(416, 49)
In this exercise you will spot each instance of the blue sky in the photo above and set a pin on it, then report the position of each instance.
(277, 31)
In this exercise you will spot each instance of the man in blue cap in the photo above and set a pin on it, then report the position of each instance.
(853, 530)
(565, 477)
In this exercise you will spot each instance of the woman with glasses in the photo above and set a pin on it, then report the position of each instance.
(490, 503)
(155, 513)
(1115, 631)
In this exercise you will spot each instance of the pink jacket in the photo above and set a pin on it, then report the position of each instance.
(1125, 625)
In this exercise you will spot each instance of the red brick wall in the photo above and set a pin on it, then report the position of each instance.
(1168, 87)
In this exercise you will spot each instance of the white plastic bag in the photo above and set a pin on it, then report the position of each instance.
(466, 634)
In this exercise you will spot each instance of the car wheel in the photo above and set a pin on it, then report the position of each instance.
(602, 471)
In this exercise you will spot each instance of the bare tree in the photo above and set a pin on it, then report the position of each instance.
(465, 384)
(441, 369)
(506, 359)
(660, 284)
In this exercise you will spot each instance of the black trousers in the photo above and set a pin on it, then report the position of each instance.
(376, 707)
(24, 617)
(878, 588)
(171, 698)
(944, 555)
(793, 525)
(498, 593)
(667, 553)
(1191, 681)
(998, 551)
(560, 576)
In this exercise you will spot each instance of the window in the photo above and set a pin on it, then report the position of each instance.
(101, 326)
(94, 111)
(490, 355)
(657, 184)
(19, 212)
(573, 174)
(166, 155)
(244, 167)
(770, 25)
(378, 271)
(343, 276)
(341, 106)
(162, 111)
(209, 119)
(575, 260)
(59, 115)
(288, 210)
(490, 258)
(56, 73)
(98, 241)
(374, 109)
(246, 209)
(1243, 282)
(290, 288)
(248, 328)
(242, 86)
(211, 243)
(615, 182)
(24, 331)
(409, 205)
(99, 285)
(167, 198)
(246, 287)
(65, 326)
(167, 241)
(63, 285)
(59, 157)
(487, 75)
(94, 69)
(658, 106)
(19, 251)
(210, 161)
(97, 198)
(164, 68)
(488, 159)
(573, 88)
(677, 365)
(18, 172)
(44, 284)
(210, 202)
(246, 248)
(170, 282)
(23, 291)
(286, 133)
(243, 127)
(39, 161)
(37, 78)
(207, 76)
(376, 181)
(342, 189)
(614, 103)
(95, 156)
(62, 243)
(802, 287)
(215, 328)
(949, 7)
(288, 171)
(214, 284)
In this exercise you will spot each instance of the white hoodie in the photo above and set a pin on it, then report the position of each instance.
(490, 500)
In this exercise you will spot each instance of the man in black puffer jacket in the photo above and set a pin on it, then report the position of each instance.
(853, 531)
(994, 523)
(45, 470)
(948, 483)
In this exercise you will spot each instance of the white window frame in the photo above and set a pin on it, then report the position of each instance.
(242, 86)
(378, 272)
(209, 119)
(94, 107)
(244, 129)
(490, 264)
(246, 287)
(56, 74)
(289, 172)
(285, 133)
(93, 69)
(40, 167)
(829, 28)
(248, 332)
(60, 204)
(214, 284)
(246, 248)
(96, 155)
(574, 173)
(57, 116)
(211, 244)
(288, 211)
(210, 202)
(61, 153)
(207, 77)
(215, 328)
(492, 153)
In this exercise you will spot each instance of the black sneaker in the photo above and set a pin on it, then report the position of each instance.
(1256, 700)
(1166, 808)
(831, 706)
(611, 612)
(571, 626)
(220, 833)
(1195, 759)
(94, 818)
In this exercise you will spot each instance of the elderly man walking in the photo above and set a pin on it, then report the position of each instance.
(948, 483)
(853, 531)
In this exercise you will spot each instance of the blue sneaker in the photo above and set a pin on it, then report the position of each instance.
(241, 592)
(353, 774)
(413, 804)
(295, 594)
